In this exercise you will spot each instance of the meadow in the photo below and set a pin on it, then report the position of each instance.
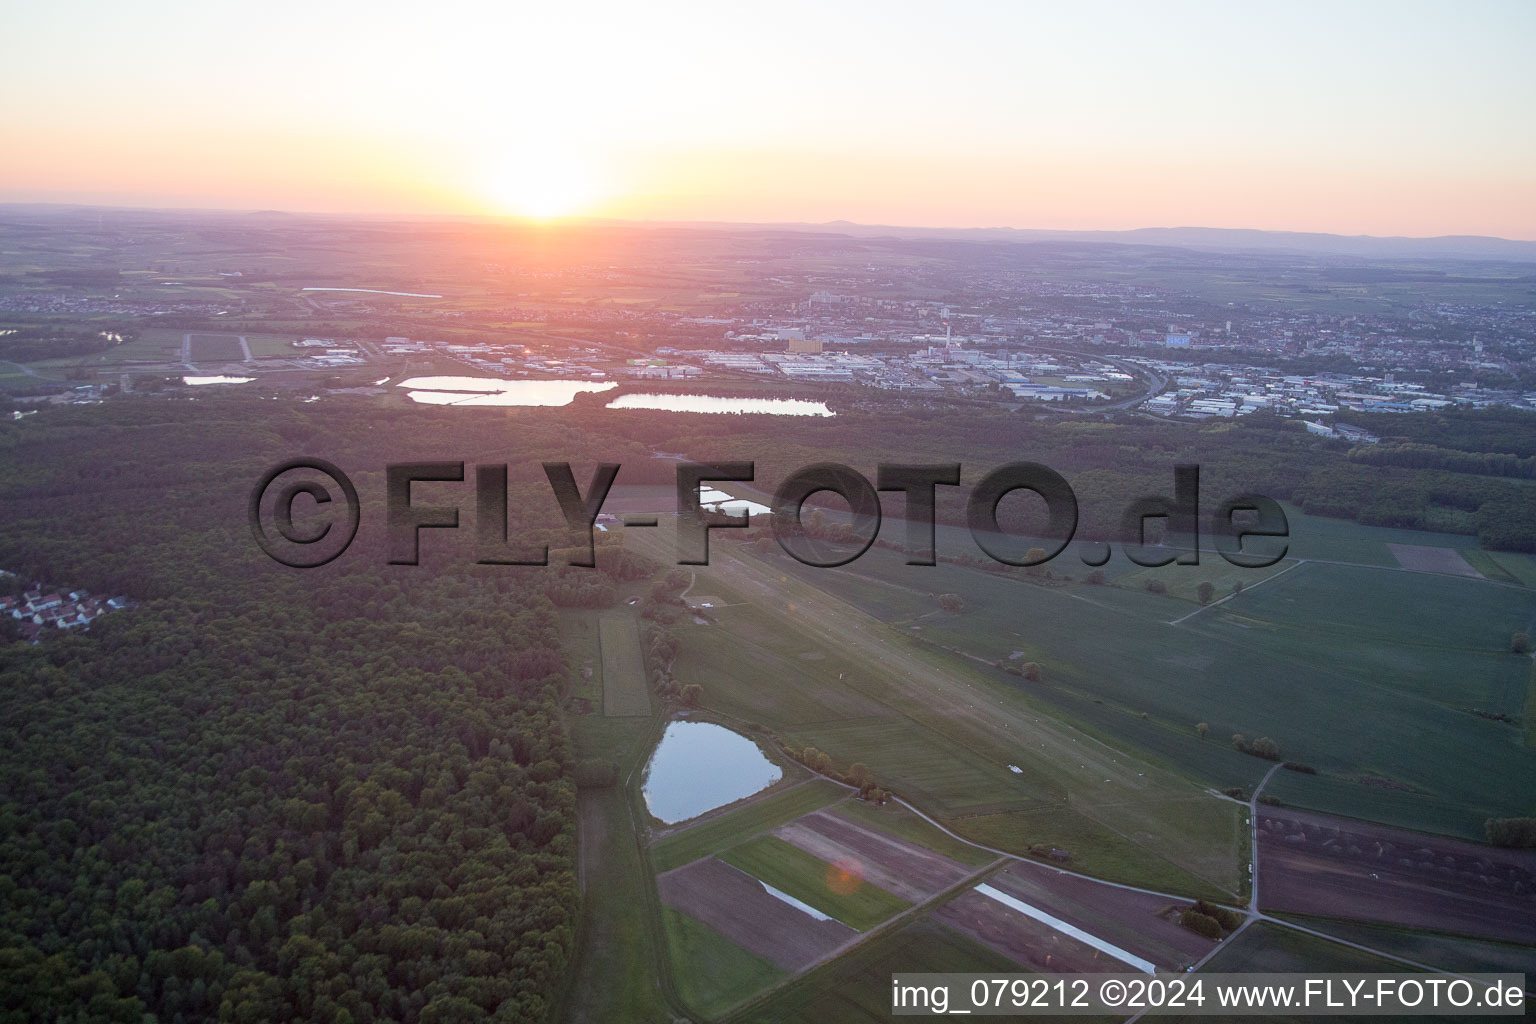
(712, 972)
(621, 972)
(625, 691)
(1302, 655)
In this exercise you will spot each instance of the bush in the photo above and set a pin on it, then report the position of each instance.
(1201, 924)
(1228, 919)
(1157, 587)
(1520, 643)
(1204, 591)
(1511, 832)
(1297, 766)
(1266, 748)
(1032, 671)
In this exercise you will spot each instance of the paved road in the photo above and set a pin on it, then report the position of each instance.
(1253, 838)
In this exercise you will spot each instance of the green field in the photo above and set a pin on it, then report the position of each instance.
(856, 987)
(625, 691)
(618, 970)
(1273, 948)
(712, 972)
(1448, 952)
(216, 348)
(717, 833)
(1521, 567)
(1300, 657)
(791, 870)
(1270, 948)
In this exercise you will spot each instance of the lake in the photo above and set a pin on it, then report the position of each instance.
(699, 766)
(216, 380)
(482, 391)
(714, 404)
(376, 291)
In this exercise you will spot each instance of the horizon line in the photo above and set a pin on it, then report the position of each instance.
(830, 225)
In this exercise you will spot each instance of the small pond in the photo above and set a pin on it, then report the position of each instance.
(699, 766)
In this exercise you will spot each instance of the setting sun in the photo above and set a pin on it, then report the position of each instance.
(542, 187)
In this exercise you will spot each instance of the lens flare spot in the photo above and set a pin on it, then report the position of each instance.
(845, 876)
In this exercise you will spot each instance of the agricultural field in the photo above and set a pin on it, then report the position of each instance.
(714, 834)
(841, 891)
(740, 908)
(1323, 866)
(1144, 924)
(625, 690)
(1425, 558)
(856, 988)
(712, 972)
(895, 820)
(1424, 656)
(798, 892)
(1273, 948)
(1446, 952)
(1097, 761)
(863, 856)
(216, 348)
(1030, 943)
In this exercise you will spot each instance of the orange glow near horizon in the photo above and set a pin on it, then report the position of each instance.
(1361, 119)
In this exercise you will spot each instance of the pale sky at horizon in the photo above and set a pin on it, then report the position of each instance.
(1356, 118)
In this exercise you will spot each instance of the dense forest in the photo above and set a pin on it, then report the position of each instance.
(266, 794)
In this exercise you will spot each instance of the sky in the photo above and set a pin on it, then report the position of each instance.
(1353, 116)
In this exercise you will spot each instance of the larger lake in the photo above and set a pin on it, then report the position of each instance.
(699, 766)
(712, 403)
(481, 391)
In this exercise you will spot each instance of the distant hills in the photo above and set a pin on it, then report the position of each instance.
(1475, 247)
(1462, 247)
